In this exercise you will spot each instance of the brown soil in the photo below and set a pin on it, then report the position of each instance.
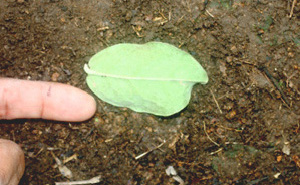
(250, 50)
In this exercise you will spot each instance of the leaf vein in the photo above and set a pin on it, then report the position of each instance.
(92, 72)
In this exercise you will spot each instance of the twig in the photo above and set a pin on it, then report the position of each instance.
(103, 28)
(265, 70)
(136, 30)
(297, 129)
(227, 128)
(39, 152)
(102, 40)
(62, 168)
(209, 13)
(216, 101)
(226, 143)
(162, 15)
(219, 150)
(64, 161)
(93, 180)
(145, 153)
(204, 127)
(58, 162)
(74, 156)
(292, 9)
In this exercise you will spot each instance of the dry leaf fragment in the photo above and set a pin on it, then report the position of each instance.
(296, 160)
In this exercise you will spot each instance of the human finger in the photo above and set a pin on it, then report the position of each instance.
(47, 100)
(12, 163)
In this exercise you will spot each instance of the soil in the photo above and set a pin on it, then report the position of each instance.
(240, 128)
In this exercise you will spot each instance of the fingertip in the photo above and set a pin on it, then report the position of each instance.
(68, 103)
(86, 107)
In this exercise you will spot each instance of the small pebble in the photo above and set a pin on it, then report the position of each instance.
(55, 76)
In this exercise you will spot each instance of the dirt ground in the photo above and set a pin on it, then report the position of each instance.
(240, 128)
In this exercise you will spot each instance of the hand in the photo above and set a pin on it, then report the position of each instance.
(29, 99)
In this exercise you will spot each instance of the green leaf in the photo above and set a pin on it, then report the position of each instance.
(154, 77)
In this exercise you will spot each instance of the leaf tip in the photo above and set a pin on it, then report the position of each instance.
(205, 80)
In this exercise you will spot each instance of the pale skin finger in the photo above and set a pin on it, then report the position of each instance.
(30, 99)
(12, 163)
(47, 100)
